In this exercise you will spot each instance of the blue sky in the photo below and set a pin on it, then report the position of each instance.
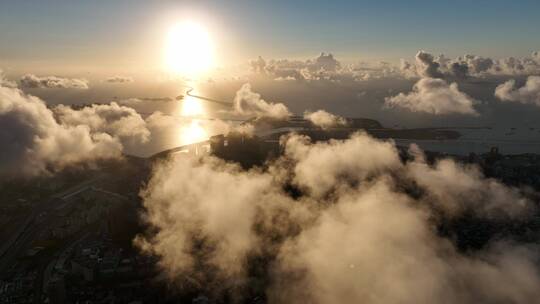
(125, 31)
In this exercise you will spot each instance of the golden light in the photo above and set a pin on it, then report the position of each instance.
(193, 133)
(189, 49)
(191, 107)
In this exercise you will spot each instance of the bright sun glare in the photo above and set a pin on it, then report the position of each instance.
(194, 131)
(191, 107)
(189, 49)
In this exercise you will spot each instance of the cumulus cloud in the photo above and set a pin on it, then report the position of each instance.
(33, 81)
(434, 96)
(34, 142)
(361, 228)
(119, 79)
(478, 64)
(325, 62)
(4, 82)
(324, 67)
(258, 65)
(122, 122)
(463, 188)
(324, 119)
(246, 102)
(536, 56)
(427, 66)
(459, 69)
(528, 93)
(39, 140)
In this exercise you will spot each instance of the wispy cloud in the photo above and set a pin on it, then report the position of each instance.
(119, 79)
(33, 81)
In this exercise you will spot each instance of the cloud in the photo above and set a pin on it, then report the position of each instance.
(246, 102)
(325, 67)
(4, 82)
(478, 64)
(40, 140)
(529, 93)
(463, 188)
(324, 119)
(122, 122)
(258, 65)
(426, 66)
(33, 81)
(119, 79)
(434, 96)
(360, 228)
(34, 142)
(325, 62)
(536, 56)
(408, 69)
(459, 69)
(333, 162)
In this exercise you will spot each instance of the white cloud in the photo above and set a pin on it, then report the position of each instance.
(120, 121)
(434, 96)
(246, 102)
(324, 67)
(258, 65)
(4, 82)
(33, 81)
(324, 119)
(34, 142)
(362, 229)
(426, 65)
(529, 93)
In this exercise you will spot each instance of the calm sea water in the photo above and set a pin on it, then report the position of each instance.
(517, 141)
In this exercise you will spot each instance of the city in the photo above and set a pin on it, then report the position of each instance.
(269, 152)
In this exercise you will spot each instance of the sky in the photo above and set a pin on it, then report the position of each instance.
(406, 64)
(126, 34)
(86, 81)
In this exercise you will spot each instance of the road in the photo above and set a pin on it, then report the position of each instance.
(36, 223)
(221, 102)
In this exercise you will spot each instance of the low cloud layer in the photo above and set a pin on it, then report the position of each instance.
(33, 81)
(325, 67)
(434, 96)
(41, 140)
(122, 122)
(324, 119)
(248, 103)
(361, 227)
(428, 65)
(34, 142)
(4, 82)
(529, 93)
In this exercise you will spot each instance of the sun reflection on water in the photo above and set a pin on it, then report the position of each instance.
(191, 107)
(192, 131)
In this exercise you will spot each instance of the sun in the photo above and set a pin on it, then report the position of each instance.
(189, 49)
